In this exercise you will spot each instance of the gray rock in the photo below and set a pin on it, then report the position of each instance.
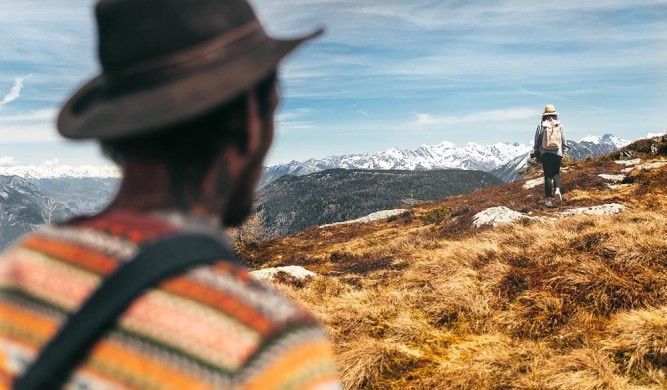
(628, 163)
(605, 209)
(495, 216)
(647, 166)
(370, 217)
(533, 183)
(612, 178)
(293, 270)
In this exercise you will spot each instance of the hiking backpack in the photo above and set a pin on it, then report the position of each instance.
(552, 137)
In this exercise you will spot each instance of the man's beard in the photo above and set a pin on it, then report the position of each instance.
(240, 202)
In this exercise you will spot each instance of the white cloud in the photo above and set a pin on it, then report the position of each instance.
(8, 161)
(495, 116)
(15, 91)
(38, 115)
(42, 132)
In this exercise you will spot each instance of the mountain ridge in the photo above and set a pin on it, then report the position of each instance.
(445, 155)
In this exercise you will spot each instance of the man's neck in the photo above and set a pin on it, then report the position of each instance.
(147, 186)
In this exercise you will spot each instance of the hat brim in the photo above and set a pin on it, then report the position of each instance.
(549, 113)
(90, 113)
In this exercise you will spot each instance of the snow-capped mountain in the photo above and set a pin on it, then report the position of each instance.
(53, 169)
(503, 159)
(445, 155)
(23, 208)
(607, 139)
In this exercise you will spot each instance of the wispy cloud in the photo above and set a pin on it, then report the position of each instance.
(492, 116)
(15, 91)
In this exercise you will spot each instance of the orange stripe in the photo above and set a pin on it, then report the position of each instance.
(288, 364)
(108, 354)
(5, 379)
(40, 326)
(73, 254)
(226, 303)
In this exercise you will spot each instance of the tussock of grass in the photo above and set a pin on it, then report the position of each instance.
(639, 339)
(579, 303)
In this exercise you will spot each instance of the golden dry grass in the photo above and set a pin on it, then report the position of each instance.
(578, 303)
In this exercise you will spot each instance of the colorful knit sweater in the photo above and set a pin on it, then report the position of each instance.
(211, 327)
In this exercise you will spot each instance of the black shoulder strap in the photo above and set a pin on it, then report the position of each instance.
(98, 314)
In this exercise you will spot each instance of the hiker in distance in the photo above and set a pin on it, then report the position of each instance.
(549, 148)
(148, 294)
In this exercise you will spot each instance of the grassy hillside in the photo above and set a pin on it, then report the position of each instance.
(423, 300)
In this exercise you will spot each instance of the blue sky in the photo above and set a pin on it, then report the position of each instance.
(386, 74)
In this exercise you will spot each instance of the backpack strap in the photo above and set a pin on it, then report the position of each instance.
(98, 314)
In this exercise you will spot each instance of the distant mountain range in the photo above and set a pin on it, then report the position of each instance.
(503, 159)
(49, 170)
(293, 203)
(23, 208)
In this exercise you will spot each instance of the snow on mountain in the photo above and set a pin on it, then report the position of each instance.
(607, 139)
(54, 169)
(504, 159)
(445, 155)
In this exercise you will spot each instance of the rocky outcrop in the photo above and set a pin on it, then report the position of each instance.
(495, 216)
(533, 183)
(612, 178)
(605, 209)
(371, 217)
(292, 270)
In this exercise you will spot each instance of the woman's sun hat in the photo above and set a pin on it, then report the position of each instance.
(549, 109)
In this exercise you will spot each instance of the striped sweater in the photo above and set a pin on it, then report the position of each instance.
(210, 327)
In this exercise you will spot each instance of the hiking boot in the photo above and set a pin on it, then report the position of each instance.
(558, 196)
(549, 203)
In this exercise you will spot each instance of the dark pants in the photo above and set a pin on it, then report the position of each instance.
(551, 166)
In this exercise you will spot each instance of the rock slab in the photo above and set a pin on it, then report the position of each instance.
(495, 216)
(293, 270)
(370, 217)
(533, 183)
(605, 209)
(612, 178)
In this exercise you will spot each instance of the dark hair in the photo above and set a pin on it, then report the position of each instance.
(189, 148)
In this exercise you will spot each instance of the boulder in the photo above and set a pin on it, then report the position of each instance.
(495, 216)
(293, 270)
(605, 209)
(647, 166)
(533, 183)
(612, 178)
(371, 217)
(628, 163)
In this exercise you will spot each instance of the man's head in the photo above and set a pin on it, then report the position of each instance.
(188, 84)
(214, 158)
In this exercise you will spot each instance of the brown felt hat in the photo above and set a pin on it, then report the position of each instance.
(167, 61)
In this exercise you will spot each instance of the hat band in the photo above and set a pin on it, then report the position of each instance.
(219, 50)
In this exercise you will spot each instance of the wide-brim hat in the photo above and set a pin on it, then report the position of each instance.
(167, 61)
(549, 109)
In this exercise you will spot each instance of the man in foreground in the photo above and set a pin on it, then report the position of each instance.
(185, 105)
(549, 147)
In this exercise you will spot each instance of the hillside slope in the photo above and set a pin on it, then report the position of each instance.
(425, 300)
(293, 203)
